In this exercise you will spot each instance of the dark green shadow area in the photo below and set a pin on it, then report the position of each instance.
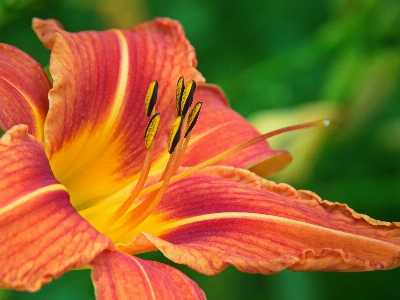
(74, 285)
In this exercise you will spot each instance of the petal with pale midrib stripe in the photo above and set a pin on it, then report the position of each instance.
(223, 216)
(41, 234)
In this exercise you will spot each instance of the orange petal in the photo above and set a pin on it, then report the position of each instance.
(223, 216)
(220, 128)
(116, 275)
(97, 110)
(23, 91)
(41, 234)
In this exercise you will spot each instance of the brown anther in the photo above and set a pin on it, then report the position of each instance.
(187, 97)
(151, 130)
(180, 86)
(151, 97)
(175, 134)
(193, 116)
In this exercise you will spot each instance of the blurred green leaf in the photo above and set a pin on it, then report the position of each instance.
(5, 294)
(74, 285)
(12, 9)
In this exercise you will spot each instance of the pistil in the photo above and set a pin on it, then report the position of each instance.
(215, 159)
(125, 219)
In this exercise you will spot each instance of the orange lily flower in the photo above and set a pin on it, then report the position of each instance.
(79, 188)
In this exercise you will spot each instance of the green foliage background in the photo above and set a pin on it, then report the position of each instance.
(265, 55)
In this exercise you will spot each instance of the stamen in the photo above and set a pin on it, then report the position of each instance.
(176, 147)
(187, 97)
(175, 134)
(232, 151)
(151, 97)
(179, 92)
(142, 210)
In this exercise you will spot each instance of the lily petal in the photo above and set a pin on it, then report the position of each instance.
(223, 128)
(119, 276)
(41, 234)
(97, 110)
(231, 216)
(23, 91)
